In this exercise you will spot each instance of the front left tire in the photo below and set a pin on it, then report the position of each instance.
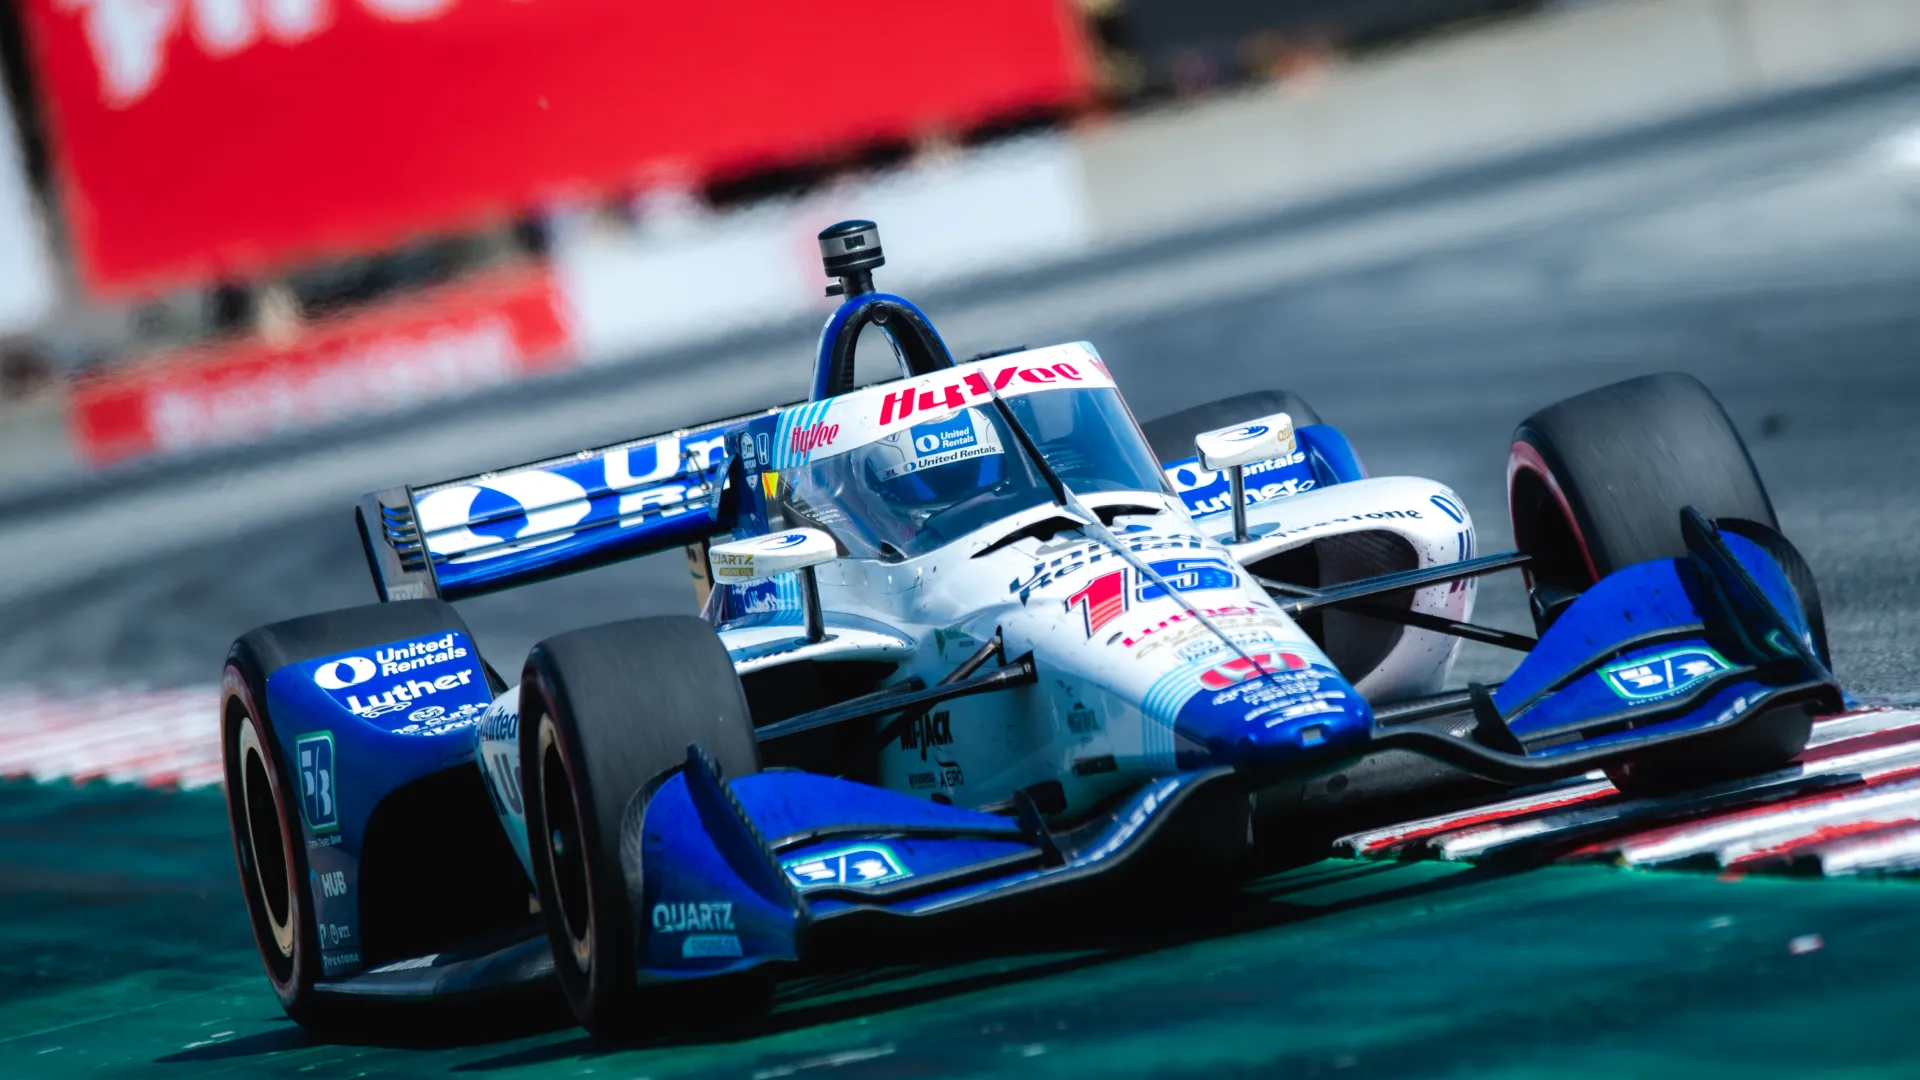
(607, 714)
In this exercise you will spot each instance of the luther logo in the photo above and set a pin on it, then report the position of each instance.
(927, 731)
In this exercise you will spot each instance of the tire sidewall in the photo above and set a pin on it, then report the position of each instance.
(242, 698)
(608, 982)
(623, 702)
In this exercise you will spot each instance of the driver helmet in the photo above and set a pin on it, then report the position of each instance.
(938, 463)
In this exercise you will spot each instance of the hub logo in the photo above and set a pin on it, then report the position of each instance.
(341, 674)
(1664, 675)
(331, 884)
(314, 754)
(869, 864)
(1244, 434)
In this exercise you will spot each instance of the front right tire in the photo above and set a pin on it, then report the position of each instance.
(1597, 482)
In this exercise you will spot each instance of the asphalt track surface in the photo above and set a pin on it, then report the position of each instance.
(1775, 254)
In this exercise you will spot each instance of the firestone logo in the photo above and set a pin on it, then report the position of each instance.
(129, 37)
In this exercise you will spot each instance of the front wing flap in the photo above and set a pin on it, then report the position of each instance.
(707, 905)
(1657, 653)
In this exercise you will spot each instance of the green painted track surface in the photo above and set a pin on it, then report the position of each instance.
(124, 951)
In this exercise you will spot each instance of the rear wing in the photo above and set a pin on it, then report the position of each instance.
(496, 530)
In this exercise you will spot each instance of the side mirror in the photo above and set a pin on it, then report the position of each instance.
(743, 562)
(1230, 448)
(1235, 448)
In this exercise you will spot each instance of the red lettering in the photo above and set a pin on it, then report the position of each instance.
(1037, 375)
(1105, 599)
(807, 438)
(1004, 376)
(1068, 371)
(900, 402)
(954, 399)
(976, 384)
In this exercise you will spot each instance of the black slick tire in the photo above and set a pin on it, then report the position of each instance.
(1171, 436)
(1596, 483)
(606, 715)
(263, 801)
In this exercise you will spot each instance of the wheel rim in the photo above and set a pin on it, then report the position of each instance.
(562, 847)
(270, 861)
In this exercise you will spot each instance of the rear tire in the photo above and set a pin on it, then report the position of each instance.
(608, 712)
(1596, 483)
(269, 847)
(1171, 436)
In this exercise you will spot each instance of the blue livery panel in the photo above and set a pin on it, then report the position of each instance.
(355, 727)
(1558, 695)
(496, 529)
(1322, 458)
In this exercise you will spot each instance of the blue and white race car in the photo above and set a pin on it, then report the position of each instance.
(968, 637)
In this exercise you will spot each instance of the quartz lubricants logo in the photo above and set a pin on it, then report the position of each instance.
(1244, 434)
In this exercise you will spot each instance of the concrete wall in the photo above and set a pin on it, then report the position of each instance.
(1453, 101)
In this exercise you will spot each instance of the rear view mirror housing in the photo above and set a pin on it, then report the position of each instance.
(1227, 448)
(1234, 448)
(743, 562)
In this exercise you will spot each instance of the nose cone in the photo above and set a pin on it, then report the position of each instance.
(1280, 711)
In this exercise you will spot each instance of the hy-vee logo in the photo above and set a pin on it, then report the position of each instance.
(971, 387)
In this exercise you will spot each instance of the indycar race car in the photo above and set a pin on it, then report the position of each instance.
(969, 637)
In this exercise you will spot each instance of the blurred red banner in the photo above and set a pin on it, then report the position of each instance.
(492, 329)
(199, 139)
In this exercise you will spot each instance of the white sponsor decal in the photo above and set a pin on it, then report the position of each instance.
(678, 918)
(702, 946)
(403, 695)
(130, 38)
(341, 674)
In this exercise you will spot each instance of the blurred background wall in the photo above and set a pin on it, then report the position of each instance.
(222, 221)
